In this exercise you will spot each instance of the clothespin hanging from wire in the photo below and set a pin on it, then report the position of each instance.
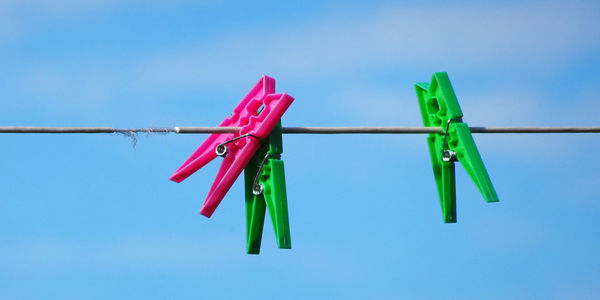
(439, 108)
(257, 114)
(265, 186)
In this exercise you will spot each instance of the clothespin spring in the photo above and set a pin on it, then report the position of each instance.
(257, 188)
(448, 155)
(221, 149)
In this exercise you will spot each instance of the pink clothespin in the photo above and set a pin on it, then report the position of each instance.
(256, 114)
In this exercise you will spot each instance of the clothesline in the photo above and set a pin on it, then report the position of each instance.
(295, 130)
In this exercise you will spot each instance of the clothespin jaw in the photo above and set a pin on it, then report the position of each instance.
(265, 188)
(256, 115)
(439, 108)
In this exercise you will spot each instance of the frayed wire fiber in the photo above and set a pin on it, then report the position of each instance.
(132, 133)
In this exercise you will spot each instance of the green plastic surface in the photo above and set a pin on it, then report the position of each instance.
(438, 104)
(274, 196)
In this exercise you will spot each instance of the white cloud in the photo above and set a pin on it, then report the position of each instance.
(21, 17)
(18, 18)
(493, 36)
(536, 36)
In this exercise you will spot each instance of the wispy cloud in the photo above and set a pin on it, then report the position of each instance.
(17, 17)
(485, 37)
(476, 38)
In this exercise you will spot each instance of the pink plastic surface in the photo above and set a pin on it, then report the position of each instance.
(246, 116)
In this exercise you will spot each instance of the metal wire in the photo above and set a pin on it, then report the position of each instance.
(296, 130)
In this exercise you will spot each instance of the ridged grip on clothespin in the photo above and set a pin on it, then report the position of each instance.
(439, 108)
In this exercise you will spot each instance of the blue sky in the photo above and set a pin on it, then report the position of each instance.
(91, 217)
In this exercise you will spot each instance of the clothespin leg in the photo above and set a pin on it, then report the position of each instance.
(276, 200)
(255, 210)
(443, 173)
(472, 162)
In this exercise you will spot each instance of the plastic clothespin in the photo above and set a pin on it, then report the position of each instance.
(257, 114)
(265, 186)
(439, 108)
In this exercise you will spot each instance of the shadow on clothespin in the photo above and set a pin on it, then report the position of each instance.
(439, 108)
(265, 188)
(257, 114)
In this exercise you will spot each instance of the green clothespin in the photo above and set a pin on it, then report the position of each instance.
(265, 186)
(439, 108)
